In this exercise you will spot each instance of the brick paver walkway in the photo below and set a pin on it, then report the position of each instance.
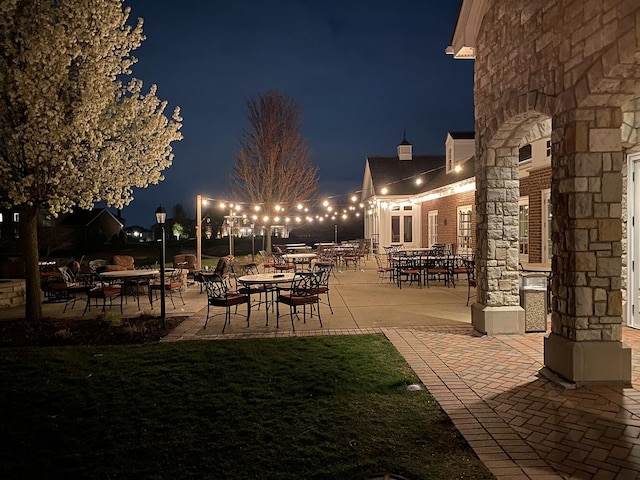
(520, 424)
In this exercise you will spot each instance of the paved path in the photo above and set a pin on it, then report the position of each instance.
(521, 425)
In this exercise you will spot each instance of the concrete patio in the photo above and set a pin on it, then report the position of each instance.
(521, 425)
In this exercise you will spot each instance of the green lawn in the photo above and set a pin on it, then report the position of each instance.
(295, 408)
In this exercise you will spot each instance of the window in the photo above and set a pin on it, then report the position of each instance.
(433, 227)
(408, 229)
(523, 236)
(16, 217)
(402, 224)
(464, 229)
(449, 159)
(548, 148)
(524, 153)
(395, 229)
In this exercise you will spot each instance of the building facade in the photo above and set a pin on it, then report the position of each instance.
(572, 69)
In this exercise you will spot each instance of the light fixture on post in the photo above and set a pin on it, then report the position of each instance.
(161, 218)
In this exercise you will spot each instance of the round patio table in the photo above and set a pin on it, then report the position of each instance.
(300, 258)
(266, 280)
(132, 278)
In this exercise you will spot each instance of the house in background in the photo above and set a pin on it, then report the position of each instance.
(136, 233)
(93, 227)
(447, 201)
(389, 183)
(423, 200)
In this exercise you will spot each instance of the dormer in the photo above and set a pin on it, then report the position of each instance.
(405, 149)
(460, 147)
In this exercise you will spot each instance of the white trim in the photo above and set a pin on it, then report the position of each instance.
(524, 257)
(545, 198)
(462, 186)
(633, 234)
(432, 228)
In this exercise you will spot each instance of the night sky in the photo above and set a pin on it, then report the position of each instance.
(362, 72)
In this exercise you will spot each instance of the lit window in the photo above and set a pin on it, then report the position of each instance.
(464, 229)
(16, 217)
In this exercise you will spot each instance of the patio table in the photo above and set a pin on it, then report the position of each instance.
(265, 280)
(300, 258)
(131, 278)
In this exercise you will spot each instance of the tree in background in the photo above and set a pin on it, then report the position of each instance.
(177, 230)
(186, 225)
(71, 131)
(273, 167)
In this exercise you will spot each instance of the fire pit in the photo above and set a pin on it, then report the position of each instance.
(12, 292)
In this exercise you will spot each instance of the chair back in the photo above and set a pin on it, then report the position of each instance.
(470, 266)
(96, 266)
(126, 262)
(176, 275)
(251, 269)
(216, 287)
(305, 286)
(323, 272)
(67, 275)
(223, 267)
(188, 261)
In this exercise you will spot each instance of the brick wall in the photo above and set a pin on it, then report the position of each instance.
(448, 217)
(532, 187)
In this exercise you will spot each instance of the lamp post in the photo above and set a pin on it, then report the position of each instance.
(161, 217)
(198, 232)
(253, 245)
(231, 223)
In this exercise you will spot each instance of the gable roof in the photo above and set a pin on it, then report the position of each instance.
(399, 176)
(442, 179)
(85, 217)
(462, 135)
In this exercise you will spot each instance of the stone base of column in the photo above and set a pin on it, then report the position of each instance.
(497, 320)
(587, 363)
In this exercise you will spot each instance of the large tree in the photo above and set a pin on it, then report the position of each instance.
(75, 128)
(273, 167)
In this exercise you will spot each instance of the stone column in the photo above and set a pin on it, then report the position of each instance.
(497, 309)
(585, 344)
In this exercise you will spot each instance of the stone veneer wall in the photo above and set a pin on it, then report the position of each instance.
(576, 62)
(12, 293)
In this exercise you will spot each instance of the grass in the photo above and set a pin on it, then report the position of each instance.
(293, 408)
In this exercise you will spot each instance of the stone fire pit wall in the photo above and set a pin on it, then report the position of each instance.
(12, 293)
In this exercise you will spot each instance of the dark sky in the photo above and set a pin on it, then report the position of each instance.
(361, 70)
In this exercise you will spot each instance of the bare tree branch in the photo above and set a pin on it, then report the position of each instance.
(273, 166)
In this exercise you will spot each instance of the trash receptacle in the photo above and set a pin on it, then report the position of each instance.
(533, 298)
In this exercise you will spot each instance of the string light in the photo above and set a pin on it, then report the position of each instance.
(333, 205)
